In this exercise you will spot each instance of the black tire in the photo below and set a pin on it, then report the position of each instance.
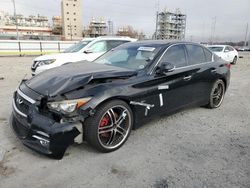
(217, 94)
(234, 60)
(102, 131)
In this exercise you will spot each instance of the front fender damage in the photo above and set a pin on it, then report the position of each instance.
(47, 136)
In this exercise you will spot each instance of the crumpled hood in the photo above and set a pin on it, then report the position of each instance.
(66, 78)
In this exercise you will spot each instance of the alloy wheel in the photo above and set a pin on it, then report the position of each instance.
(218, 94)
(114, 127)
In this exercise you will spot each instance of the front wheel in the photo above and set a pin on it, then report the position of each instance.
(110, 127)
(217, 94)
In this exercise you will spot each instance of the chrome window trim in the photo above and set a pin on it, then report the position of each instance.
(16, 109)
(25, 96)
(192, 65)
(153, 69)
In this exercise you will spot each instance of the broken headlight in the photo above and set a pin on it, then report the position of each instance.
(68, 106)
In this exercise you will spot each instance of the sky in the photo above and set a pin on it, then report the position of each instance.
(232, 16)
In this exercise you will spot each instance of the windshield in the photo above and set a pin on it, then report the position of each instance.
(130, 57)
(76, 47)
(216, 48)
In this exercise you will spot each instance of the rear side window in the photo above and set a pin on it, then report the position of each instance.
(227, 49)
(230, 48)
(175, 55)
(196, 54)
(114, 43)
(208, 55)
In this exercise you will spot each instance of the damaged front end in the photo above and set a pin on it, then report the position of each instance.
(50, 108)
(44, 130)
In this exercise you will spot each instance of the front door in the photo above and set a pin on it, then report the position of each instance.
(168, 92)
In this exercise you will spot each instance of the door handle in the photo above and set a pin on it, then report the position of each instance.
(186, 78)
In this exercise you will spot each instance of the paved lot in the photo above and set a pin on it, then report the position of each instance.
(196, 148)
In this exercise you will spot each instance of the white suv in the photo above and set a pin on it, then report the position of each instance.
(87, 49)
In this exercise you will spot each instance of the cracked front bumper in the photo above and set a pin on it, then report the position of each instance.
(43, 134)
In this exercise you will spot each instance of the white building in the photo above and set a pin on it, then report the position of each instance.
(28, 27)
(72, 19)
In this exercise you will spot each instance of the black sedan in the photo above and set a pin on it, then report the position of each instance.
(101, 102)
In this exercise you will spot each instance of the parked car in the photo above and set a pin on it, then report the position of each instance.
(244, 49)
(228, 53)
(88, 49)
(101, 102)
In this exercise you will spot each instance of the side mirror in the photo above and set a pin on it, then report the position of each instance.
(88, 51)
(226, 51)
(166, 67)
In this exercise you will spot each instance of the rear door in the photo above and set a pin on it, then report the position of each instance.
(232, 54)
(203, 72)
(228, 54)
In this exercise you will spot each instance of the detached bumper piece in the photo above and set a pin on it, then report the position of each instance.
(41, 133)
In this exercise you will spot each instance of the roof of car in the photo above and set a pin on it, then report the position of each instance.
(109, 38)
(217, 45)
(159, 43)
(115, 38)
(88, 39)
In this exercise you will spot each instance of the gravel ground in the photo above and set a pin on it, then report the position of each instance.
(196, 148)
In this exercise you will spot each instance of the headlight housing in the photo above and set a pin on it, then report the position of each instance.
(68, 106)
(46, 62)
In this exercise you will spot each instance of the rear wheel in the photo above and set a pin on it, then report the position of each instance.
(110, 127)
(217, 94)
(234, 60)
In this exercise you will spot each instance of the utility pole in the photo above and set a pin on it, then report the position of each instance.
(249, 41)
(214, 19)
(245, 43)
(157, 15)
(17, 33)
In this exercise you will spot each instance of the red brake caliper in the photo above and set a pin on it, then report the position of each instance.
(104, 121)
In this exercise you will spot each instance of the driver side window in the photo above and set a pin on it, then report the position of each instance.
(176, 56)
(100, 46)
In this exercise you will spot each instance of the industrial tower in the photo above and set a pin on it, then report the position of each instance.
(170, 25)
